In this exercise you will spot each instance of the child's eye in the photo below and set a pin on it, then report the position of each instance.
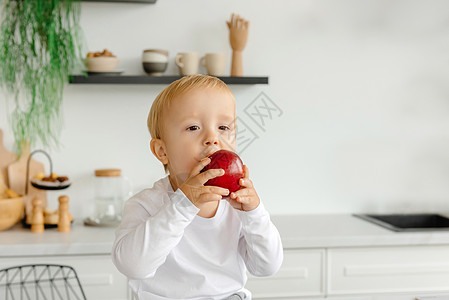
(193, 128)
(223, 127)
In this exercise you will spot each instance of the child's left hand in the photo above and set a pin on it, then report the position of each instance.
(246, 198)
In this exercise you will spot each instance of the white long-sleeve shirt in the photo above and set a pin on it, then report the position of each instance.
(169, 252)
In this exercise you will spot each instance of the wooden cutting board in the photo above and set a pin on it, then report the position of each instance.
(17, 178)
(3, 186)
(6, 158)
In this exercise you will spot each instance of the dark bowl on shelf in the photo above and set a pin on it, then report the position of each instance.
(154, 68)
(60, 186)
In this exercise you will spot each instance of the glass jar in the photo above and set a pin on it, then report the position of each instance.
(111, 190)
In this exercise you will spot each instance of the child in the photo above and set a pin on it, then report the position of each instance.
(181, 239)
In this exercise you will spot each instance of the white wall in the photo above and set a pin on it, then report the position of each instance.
(363, 86)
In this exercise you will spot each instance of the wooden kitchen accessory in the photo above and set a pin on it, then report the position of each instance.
(64, 215)
(6, 158)
(11, 206)
(238, 36)
(42, 182)
(19, 183)
(11, 212)
(37, 216)
(3, 186)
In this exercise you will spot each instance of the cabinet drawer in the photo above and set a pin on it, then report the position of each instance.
(388, 270)
(98, 276)
(301, 274)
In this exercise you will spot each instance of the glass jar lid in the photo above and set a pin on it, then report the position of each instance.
(108, 173)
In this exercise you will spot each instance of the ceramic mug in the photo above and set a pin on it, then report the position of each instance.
(154, 61)
(187, 62)
(214, 63)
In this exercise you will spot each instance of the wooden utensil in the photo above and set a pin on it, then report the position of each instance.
(3, 186)
(17, 179)
(238, 36)
(37, 216)
(6, 158)
(64, 215)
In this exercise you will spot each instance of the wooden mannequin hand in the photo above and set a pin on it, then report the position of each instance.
(238, 32)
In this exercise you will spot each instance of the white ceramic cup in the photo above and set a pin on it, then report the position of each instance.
(155, 55)
(187, 62)
(214, 63)
(155, 61)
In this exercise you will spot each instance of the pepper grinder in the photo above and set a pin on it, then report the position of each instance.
(37, 216)
(64, 215)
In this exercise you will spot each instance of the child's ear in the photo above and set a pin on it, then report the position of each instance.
(158, 148)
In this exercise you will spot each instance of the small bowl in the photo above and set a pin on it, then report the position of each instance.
(155, 61)
(49, 185)
(11, 212)
(101, 63)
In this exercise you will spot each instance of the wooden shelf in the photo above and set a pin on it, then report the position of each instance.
(144, 79)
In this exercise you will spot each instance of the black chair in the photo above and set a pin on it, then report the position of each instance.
(40, 282)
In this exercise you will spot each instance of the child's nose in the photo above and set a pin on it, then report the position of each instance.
(211, 139)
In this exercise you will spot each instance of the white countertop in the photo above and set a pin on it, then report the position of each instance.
(345, 230)
(20, 241)
(297, 232)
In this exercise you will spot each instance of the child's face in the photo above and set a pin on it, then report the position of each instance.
(197, 124)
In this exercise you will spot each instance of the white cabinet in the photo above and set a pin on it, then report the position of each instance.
(301, 274)
(388, 270)
(358, 273)
(98, 276)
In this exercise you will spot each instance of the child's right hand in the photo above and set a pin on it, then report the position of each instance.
(194, 188)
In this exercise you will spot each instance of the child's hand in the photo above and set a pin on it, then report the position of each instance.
(194, 187)
(246, 198)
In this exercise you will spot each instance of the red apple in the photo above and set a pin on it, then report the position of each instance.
(231, 164)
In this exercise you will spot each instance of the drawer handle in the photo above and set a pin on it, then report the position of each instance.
(395, 269)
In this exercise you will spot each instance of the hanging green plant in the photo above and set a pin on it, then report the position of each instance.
(41, 43)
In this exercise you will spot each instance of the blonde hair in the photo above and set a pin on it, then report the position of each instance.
(176, 88)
